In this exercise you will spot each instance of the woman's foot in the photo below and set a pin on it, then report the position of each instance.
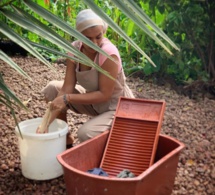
(69, 140)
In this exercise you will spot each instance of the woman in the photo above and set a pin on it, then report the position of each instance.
(95, 94)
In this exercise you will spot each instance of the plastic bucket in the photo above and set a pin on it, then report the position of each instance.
(38, 151)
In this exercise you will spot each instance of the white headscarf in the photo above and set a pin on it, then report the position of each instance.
(87, 18)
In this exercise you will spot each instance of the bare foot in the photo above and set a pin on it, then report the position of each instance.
(69, 139)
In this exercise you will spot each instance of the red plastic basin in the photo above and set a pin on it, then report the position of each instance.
(158, 179)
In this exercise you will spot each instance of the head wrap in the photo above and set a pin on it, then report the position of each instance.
(87, 18)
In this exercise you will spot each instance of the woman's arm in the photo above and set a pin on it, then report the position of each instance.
(106, 86)
(69, 80)
(68, 88)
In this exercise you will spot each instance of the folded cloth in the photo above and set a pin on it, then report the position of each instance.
(125, 174)
(98, 171)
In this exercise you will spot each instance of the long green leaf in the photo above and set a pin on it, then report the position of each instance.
(9, 61)
(115, 27)
(138, 11)
(4, 100)
(8, 102)
(122, 6)
(54, 51)
(10, 94)
(20, 41)
(49, 35)
(63, 26)
(43, 26)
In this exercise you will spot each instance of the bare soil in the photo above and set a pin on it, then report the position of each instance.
(191, 121)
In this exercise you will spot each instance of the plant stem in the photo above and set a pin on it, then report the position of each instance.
(7, 3)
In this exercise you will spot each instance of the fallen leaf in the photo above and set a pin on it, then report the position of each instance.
(26, 102)
(190, 162)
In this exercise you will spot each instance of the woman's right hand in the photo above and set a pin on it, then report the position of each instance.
(58, 104)
(39, 132)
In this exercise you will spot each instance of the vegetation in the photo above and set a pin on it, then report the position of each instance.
(45, 29)
(191, 25)
(29, 24)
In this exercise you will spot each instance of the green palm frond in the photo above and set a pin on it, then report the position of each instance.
(4, 29)
(50, 35)
(54, 51)
(131, 14)
(6, 97)
(9, 94)
(143, 16)
(4, 101)
(63, 26)
(115, 27)
(25, 20)
(8, 60)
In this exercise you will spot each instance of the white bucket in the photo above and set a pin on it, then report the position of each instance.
(38, 151)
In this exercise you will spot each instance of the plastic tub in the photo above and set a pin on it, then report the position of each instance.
(38, 151)
(158, 179)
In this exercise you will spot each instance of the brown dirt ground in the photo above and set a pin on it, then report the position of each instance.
(191, 121)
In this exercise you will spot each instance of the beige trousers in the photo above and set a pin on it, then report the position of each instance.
(94, 126)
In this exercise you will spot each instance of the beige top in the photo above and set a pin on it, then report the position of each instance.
(89, 80)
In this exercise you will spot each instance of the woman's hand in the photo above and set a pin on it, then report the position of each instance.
(39, 131)
(58, 104)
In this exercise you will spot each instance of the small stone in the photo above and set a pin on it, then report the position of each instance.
(213, 155)
(205, 143)
(200, 170)
(4, 166)
(11, 164)
(210, 189)
(213, 173)
(11, 170)
(196, 182)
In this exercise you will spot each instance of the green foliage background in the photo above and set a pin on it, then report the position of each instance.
(190, 24)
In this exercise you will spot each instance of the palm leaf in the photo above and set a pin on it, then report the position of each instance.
(50, 35)
(29, 17)
(9, 93)
(19, 40)
(54, 51)
(4, 100)
(9, 61)
(139, 12)
(122, 6)
(115, 27)
(8, 102)
(53, 19)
